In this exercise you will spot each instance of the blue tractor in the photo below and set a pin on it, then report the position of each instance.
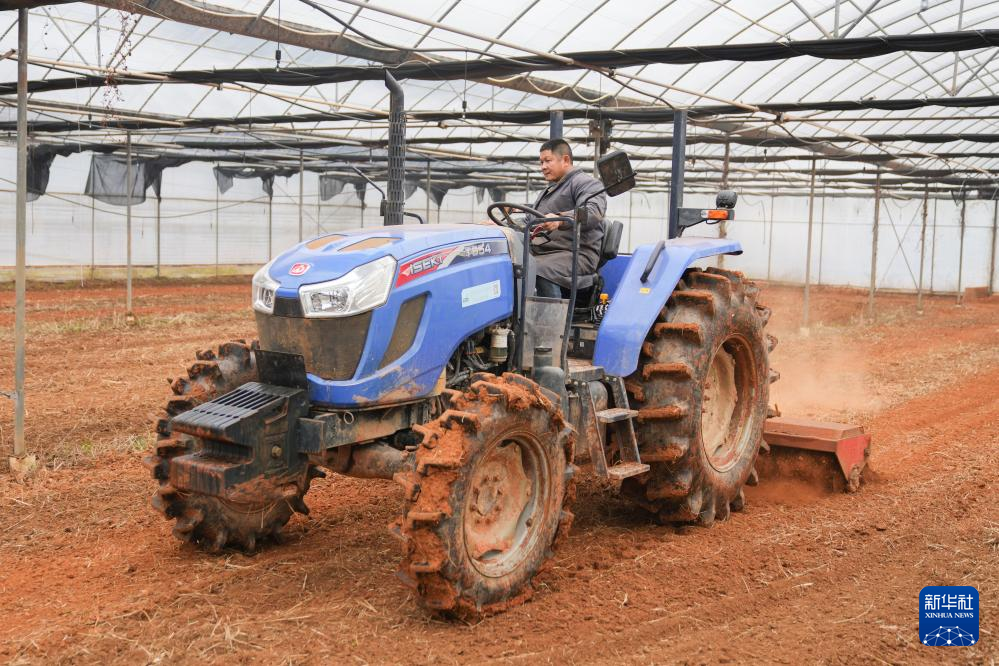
(418, 353)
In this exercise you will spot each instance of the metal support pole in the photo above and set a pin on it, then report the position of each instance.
(217, 222)
(957, 56)
(128, 225)
(527, 195)
(770, 242)
(93, 238)
(933, 246)
(676, 173)
(922, 248)
(301, 190)
(808, 251)
(960, 257)
(426, 215)
(874, 245)
(555, 125)
(723, 227)
(159, 200)
(822, 234)
(97, 31)
(597, 135)
(992, 259)
(270, 227)
(21, 206)
(631, 202)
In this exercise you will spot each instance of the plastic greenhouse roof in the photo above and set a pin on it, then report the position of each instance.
(78, 39)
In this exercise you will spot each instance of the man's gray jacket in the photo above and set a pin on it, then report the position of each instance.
(554, 258)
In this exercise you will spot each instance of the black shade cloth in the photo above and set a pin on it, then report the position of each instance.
(437, 192)
(372, 161)
(836, 49)
(108, 180)
(225, 175)
(330, 186)
(665, 140)
(408, 187)
(154, 171)
(497, 194)
(39, 162)
(641, 115)
(41, 156)
(648, 141)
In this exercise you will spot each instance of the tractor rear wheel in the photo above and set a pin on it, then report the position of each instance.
(702, 390)
(489, 498)
(210, 522)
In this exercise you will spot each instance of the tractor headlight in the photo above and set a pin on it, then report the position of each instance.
(263, 290)
(360, 290)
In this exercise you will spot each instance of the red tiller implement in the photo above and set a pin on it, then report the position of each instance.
(833, 454)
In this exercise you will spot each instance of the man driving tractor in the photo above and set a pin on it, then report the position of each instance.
(553, 254)
(551, 245)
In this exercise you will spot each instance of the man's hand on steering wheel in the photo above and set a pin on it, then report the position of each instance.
(549, 227)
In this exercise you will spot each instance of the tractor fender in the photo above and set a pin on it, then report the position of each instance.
(636, 304)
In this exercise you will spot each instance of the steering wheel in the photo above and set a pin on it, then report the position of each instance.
(505, 208)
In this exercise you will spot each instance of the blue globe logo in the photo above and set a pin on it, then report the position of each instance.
(949, 636)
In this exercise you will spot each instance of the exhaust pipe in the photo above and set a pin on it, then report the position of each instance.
(394, 202)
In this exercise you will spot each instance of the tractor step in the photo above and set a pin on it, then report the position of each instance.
(621, 421)
(584, 372)
(615, 414)
(623, 470)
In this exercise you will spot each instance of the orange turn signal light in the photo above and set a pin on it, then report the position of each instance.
(716, 214)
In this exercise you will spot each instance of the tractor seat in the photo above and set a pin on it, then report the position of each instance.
(611, 241)
(586, 298)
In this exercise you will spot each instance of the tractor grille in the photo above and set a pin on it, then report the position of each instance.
(331, 347)
(287, 307)
(406, 327)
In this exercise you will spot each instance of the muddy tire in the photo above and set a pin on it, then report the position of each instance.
(489, 499)
(210, 522)
(701, 390)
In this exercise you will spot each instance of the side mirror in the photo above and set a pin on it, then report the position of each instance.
(726, 199)
(616, 172)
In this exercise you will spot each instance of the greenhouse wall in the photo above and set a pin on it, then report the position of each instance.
(67, 228)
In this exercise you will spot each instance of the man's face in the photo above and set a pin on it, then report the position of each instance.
(553, 166)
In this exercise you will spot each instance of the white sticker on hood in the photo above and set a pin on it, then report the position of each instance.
(480, 293)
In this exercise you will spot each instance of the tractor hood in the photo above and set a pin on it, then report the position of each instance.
(334, 255)
(428, 288)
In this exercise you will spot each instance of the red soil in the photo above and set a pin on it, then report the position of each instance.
(90, 573)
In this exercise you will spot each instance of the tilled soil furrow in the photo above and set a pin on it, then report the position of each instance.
(90, 573)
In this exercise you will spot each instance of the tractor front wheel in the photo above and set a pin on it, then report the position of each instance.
(489, 498)
(210, 522)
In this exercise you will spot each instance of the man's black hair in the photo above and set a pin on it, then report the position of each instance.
(558, 147)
